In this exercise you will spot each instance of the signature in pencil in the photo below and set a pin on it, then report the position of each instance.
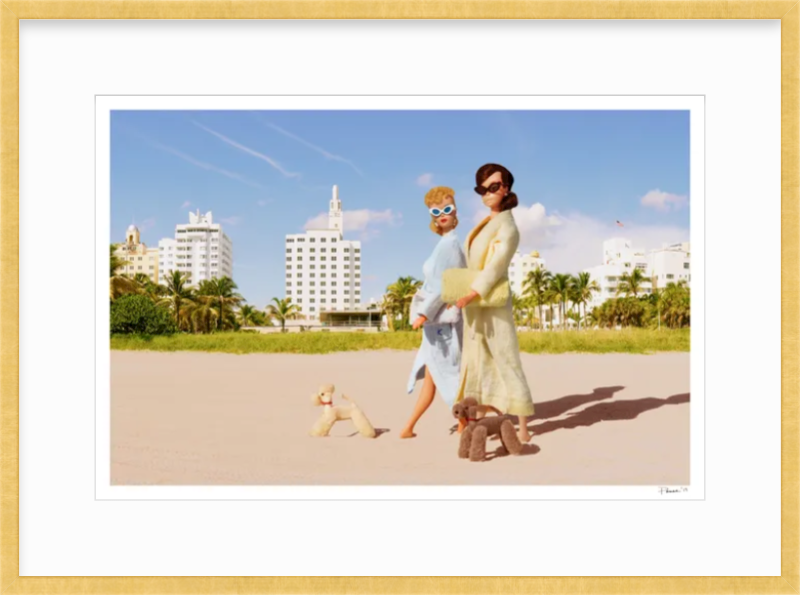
(680, 490)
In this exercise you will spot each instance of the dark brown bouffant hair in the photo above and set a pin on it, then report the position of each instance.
(510, 200)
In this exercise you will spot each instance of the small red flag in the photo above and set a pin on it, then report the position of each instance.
(619, 223)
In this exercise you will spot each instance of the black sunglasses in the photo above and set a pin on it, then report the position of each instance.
(491, 188)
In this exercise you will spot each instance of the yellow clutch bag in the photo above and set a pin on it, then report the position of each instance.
(456, 283)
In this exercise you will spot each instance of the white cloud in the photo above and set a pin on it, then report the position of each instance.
(235, 220)
(186, 204)
(248, 150)
(320, 150)
(664, 201)
(361, 220)
(147, 224)
(262, 202)
(574, 242)
(425, 180)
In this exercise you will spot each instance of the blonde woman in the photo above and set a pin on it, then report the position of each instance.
(491, 369)
(439, 357)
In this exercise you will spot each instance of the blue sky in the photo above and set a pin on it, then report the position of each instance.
(266, 174)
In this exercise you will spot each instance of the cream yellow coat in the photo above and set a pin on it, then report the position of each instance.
(491, 370)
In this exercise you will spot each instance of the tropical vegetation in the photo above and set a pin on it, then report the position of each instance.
(549, 302)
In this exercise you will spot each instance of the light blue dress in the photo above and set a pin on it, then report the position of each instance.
(442, 334)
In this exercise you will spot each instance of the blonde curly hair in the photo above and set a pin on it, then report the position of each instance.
(436, 196)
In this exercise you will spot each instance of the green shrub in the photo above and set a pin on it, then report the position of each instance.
(137, 314)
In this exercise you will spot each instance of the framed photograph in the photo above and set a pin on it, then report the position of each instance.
(385, 277)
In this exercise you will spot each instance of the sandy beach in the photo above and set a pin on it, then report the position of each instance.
(221, 419)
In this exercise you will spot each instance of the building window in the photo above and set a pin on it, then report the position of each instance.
(289, 240)
(311, 300)
(347, 249)
(311, 257)
(312, 239)
(333, 249)
(289, 283)
(312, 266)
(288, 250)
(312, 249)
(322, 240)
(685, 265)
(322, 258)
(301, 240)
(670, 276)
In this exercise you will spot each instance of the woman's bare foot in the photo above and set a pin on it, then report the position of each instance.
(524, 435)
(407, 434)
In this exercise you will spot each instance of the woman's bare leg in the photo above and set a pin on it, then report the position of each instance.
(524, 434)
(423, 402)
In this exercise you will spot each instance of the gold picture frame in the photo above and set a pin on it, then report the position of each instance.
(11, 11)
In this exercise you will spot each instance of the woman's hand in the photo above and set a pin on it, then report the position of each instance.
(421, 319)
(464, 301)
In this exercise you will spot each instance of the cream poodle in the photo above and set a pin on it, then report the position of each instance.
(330, 414)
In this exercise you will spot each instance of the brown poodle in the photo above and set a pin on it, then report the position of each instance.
(473, 440)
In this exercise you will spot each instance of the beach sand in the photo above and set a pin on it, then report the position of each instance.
(223, 419)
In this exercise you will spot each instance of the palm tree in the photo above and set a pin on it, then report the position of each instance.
(178, 296)
(401, 293)
(676, 308)
(530, 313)
(145, 286)
(119, 283)
(203, 314)
(559, 291)
(390, 308)
(583, 287)
(631, 283)
(518, 308)
(223, 298)
(535, 286)
(283, 310)
(248, 315)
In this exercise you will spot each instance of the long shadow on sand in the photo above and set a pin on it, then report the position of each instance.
(527, 449)
(560, 406)
(613, 411)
